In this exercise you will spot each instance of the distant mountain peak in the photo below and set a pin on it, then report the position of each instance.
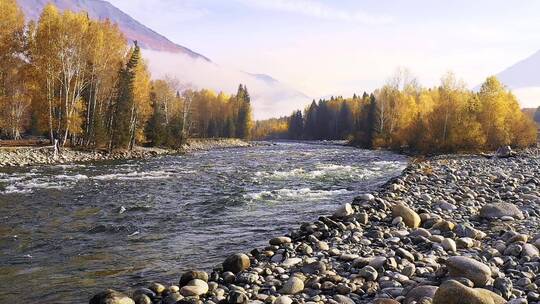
(523, 78)
(523, 74)
(99, 9)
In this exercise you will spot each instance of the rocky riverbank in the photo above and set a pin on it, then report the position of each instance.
(26, 156)
(452, 229)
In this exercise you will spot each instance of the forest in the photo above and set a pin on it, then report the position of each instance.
(403, 115)
(77, 81)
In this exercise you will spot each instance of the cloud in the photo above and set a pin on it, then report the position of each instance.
(319, 10)
(270, 98)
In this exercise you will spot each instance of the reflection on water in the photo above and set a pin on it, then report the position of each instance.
(68, 231)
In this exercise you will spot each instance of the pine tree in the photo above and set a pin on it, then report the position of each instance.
(156, 129)
(125, 106)
(345, 121)
(296, 125)
(311, 121)
(371, 121)
(243, 122)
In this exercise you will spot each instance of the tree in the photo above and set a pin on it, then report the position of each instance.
(296, 125)
(311, 121)
(44, 48)
(345, 121)
(499, 114)
(107, 53)
(125, 109)
(243, 122)
(14, 76)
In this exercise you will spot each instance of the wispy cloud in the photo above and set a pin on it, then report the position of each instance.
(320, 10)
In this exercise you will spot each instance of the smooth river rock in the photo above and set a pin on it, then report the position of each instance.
(293, 285)
(453, 292)
(500, 210)
(191, 275)
(409, 216)
(278, 241)
(460, 266)
(344, 211)
(420, 292)
(283, 300)
(236, 263)
(110, 296)
(194, 288)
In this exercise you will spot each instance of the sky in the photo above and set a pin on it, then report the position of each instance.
(341, 47)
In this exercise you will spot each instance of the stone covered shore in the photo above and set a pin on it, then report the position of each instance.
(451, 229)
(26, 156)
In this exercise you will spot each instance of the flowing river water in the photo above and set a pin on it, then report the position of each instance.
(69, 231)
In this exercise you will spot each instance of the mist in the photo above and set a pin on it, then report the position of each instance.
(270, 98)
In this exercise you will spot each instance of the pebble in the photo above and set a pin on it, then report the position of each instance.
(449, 245)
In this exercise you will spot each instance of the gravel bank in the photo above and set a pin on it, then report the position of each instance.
(452, 229)
(27, 156)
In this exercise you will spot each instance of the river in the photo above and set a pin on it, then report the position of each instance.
(69, 231)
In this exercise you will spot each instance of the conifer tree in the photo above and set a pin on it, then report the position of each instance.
(243, 123)
(296, 125)
(125, 105)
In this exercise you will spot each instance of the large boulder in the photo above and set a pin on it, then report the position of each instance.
(499, 210)
(236, 263)
(409, 216)
(453, 292)
(110, 296)
(460, 266)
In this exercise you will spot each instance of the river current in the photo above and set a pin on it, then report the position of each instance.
(69, 231)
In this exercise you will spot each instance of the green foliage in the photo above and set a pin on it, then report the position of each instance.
(125, 103)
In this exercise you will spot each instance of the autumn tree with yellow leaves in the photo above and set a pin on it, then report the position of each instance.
(77, 81)
(14, 74)
(402, 115)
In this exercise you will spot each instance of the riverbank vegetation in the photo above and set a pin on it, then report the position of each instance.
(77, 81)
(404, 115)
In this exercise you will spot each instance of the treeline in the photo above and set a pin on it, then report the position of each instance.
(77, 80)
(404, 115)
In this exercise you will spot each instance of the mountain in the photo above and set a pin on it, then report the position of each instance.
(270, 97)
(98, 9)
(524, 80)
